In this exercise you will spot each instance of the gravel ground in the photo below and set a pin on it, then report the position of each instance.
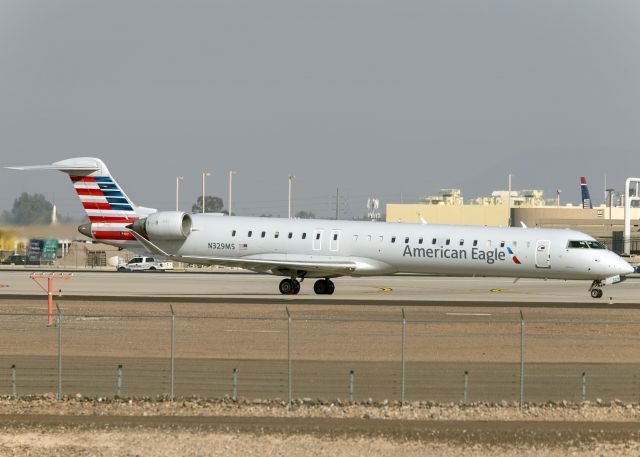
(598, 411)
(41, 426)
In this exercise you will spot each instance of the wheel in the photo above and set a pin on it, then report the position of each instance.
(330, 287)
(152, 268)
(596, 293)
(320, 287)
(287, 287)
(122, 269)
(296, 287)
(600, 293)
(324, 287)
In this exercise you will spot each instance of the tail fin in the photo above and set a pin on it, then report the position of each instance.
(586, 199)
(104, 201)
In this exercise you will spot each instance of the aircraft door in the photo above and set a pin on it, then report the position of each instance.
(543, 254)
(334, 242)
(317, 240)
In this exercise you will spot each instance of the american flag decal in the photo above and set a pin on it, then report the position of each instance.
(243, 246)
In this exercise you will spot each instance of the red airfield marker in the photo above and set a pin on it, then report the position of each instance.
(49, 290)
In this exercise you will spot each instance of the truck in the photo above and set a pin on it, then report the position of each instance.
(144, 264)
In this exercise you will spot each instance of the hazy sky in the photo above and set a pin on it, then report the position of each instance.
(378, 98)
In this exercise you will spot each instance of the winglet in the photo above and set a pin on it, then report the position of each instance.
(523, 224)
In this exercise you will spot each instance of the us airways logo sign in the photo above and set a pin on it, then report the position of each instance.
(490, 256)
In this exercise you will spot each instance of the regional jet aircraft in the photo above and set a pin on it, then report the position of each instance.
(326, 249)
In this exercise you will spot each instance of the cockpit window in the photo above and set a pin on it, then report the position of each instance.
(586, 244)
(578, 244)
(595, 245)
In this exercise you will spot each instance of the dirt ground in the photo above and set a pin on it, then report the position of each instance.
(98, 427)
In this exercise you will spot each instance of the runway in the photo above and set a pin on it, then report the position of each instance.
(246, 288)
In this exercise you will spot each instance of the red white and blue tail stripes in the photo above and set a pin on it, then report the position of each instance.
(107, 206)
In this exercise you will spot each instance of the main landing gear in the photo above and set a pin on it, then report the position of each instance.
(324, 287)
(291, 286)
(595, 290)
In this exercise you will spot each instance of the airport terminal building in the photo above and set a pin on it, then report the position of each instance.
(527, 207)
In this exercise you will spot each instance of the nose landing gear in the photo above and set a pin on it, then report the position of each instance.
(596, 293)
(595, 289)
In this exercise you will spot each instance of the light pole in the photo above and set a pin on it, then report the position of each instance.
(509, 203)
(178, 179)
(291, 178)
(558, 198)
(610, 198)
(231, 173)
(204, 174)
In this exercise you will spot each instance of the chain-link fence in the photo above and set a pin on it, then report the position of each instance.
(291, 356)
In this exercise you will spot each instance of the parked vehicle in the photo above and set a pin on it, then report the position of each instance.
(15, 259)
(145, 264)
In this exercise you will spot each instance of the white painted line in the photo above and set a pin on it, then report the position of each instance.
(468, 314)
(252, 331)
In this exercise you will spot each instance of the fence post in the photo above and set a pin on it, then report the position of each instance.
(59, 319)
(404, 340)
(466, 386)
(119, 381)
(351, 375)
(584, 386)
(521, 359)
(13, 381)
(173, 348)
(234, 387)
(289, 355)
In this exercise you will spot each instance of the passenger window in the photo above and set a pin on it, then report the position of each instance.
(317, 236)
(514, 243)
(304, 236)
(381, 238)
(263, 234)
(355, 237)
(461, 242)
(406, 240)
(501, 244)
(420, 240)
(233, 233)
(290, 235)
(447, 242)
(393, 239)
(475, 242)
(249, 234)
(276, 235)
(369, 237)
(335, 236)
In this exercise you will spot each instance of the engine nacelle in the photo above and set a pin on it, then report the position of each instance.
(164, 225)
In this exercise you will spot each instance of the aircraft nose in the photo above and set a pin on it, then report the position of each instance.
(623, 268)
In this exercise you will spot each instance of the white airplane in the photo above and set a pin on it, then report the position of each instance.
(326, 249)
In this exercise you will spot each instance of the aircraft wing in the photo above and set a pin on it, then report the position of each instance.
(262, 264)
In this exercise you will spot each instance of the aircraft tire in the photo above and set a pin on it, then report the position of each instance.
(597, 293)
(296, 287)
(331, 287)
(287, 287)
(324, 287)
(320, 287)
